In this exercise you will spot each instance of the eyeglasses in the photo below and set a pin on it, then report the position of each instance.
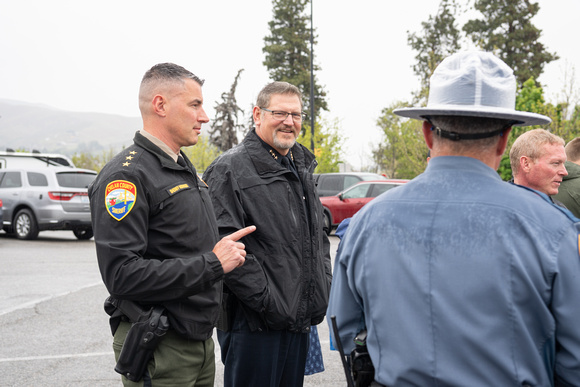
(281, 116)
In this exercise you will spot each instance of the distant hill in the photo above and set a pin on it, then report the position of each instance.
(46, 129)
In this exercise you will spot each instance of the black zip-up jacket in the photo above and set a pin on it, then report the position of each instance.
(160, 250)
(285, 280)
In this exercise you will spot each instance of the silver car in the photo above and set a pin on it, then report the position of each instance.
(51, 198)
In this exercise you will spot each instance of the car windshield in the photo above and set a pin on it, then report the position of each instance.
(75, 179)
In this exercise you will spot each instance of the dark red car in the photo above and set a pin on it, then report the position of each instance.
(346, 203)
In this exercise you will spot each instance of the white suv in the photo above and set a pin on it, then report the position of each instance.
(51, 198)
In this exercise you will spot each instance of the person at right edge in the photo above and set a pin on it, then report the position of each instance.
(569, 191)
(282, 289)
(459, 278)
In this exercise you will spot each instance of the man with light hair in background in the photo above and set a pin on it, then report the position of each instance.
(537, 159)
(569, 192)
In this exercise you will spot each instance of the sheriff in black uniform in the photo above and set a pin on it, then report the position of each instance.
(156, 234)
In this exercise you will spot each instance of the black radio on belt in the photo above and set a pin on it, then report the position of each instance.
(363, 371)
(359, 369)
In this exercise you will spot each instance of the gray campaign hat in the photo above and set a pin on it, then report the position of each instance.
(473, 84)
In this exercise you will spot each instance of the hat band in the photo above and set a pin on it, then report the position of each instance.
(454, 136)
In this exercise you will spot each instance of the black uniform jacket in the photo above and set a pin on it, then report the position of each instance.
(154, 229)
(285, 280)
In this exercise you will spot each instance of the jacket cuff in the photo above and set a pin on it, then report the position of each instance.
(215, 265)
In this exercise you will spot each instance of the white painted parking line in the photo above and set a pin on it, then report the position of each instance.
(33, 303)
(51, 357)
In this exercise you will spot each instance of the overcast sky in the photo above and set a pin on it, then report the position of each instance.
(90, 56)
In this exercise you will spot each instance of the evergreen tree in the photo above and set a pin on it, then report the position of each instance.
(288, 53)
(224, 127)
(506, 30)
(439, 38)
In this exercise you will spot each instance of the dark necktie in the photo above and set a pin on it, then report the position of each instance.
(181, 161)
(286, 162)
(288, 165)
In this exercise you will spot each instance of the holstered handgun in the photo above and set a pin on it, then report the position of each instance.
(146, 332)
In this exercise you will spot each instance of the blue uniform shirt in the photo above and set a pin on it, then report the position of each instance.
(461, 280)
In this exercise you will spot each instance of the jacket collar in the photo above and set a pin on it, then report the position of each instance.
(265, 163)
(160, 144)
(164, 159)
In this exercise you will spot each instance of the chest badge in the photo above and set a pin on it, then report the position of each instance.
(120, 197)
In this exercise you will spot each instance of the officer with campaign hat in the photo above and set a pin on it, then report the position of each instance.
(459, 278)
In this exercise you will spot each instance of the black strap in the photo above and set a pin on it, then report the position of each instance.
(132, 310)
(453, 136)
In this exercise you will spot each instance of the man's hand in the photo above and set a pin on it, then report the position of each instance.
(230, 252)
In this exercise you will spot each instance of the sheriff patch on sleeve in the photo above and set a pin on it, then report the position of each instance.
(120, 197)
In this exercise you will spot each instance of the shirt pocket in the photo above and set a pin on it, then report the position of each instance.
(165, 196)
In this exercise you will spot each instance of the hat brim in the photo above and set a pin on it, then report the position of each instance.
(521, 118)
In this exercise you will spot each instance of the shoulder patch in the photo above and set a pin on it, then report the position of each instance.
(120, 197)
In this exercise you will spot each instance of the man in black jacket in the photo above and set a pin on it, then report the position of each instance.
(156, 234)
(282, 289)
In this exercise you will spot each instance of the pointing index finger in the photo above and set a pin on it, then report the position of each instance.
(241, 233)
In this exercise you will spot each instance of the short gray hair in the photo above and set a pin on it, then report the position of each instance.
(277, 87)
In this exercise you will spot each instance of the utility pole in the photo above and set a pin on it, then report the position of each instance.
(311, 80)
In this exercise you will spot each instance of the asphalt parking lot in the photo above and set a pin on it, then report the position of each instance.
(53, 327)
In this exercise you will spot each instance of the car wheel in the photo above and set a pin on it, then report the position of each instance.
(25, 225)
(327, 223)
(83, 234)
